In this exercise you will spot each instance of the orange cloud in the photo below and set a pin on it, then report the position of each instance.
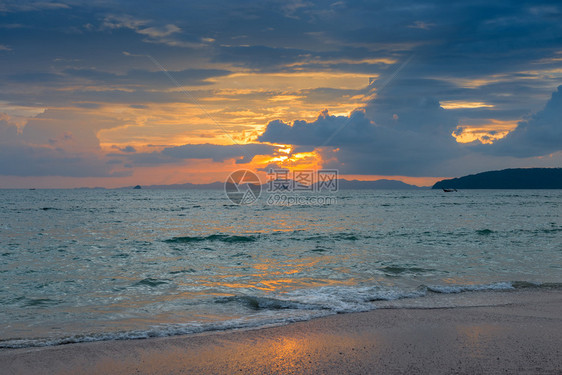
(286, 158)
(459, 104)
(484, 133)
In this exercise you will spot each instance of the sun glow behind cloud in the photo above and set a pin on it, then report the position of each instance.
(286, 158)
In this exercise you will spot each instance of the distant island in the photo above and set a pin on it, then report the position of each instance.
(186, 186)
(377, 184)
(518, 178)
(342, 184)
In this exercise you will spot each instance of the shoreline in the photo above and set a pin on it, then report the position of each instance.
(515, 331)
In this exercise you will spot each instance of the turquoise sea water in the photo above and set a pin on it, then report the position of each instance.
(85, 265)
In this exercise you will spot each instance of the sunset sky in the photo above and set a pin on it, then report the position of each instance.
(117, 93)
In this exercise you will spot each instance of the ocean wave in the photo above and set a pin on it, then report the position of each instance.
(189, 270)
(447, 289)
(293, 306)
(230, 238)
(535, 285)
(344, 236)
(151, 282)
(267, 303)
(345, 299)
(333, 299)
(164, 330)
(319, 249)
(395, 270)
(484, 232)
(213, 237)
(499, 286)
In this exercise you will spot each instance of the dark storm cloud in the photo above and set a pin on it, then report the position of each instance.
(388, 145)
(262, 58)
(127, 149)
(466, 39)
(324, 131)
(19, 156)
(152, 79)
(323, 95)
(218, 153)
(401, 131)
(27, 160)
(243, 154)
(54, 143)
(411, 135)
(538, 135)
(506, 54)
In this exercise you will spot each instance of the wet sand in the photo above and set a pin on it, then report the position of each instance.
(517, 332)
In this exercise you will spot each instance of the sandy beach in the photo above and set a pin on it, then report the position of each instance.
(513, 332)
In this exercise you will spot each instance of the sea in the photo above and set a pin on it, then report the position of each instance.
(92, 264)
